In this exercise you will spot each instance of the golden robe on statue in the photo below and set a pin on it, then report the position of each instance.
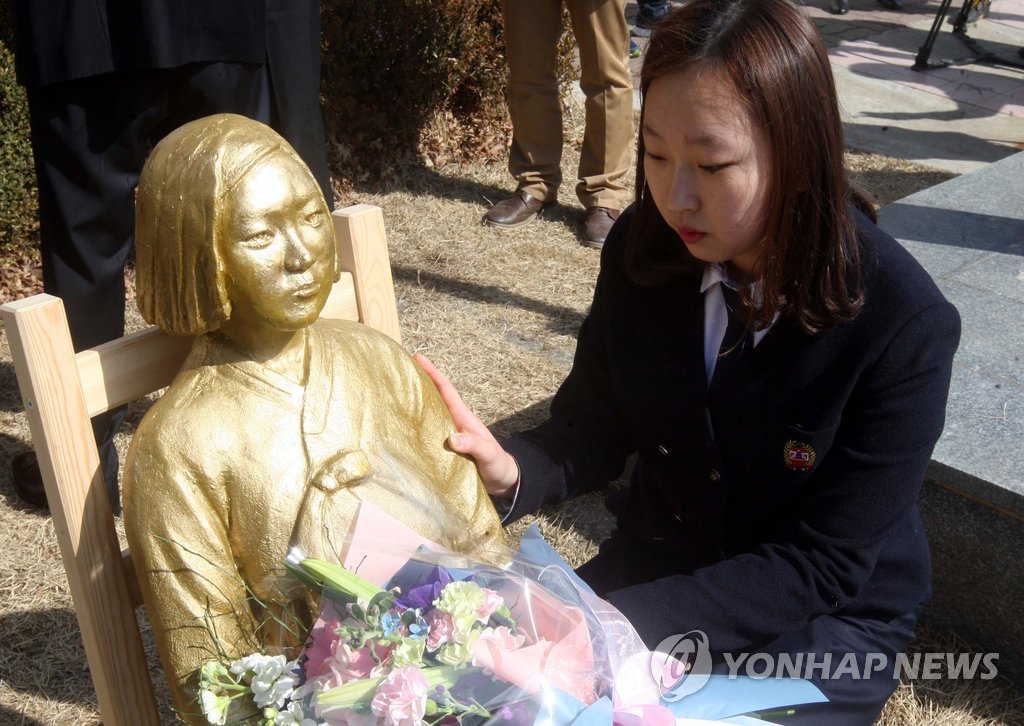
(251, 463)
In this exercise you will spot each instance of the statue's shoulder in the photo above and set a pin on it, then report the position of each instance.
(361, 341)
(194, 402)
(358, 349)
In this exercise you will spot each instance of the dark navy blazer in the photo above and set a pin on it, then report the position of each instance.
(788, 494)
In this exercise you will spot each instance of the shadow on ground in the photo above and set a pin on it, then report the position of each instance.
(44, 655)
(562, 320)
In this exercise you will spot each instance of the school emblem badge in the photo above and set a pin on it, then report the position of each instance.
(798, 455)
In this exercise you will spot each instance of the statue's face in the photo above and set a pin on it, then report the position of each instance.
(277, 246)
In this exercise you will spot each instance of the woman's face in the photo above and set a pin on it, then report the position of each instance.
(277, 246)
(707, 166)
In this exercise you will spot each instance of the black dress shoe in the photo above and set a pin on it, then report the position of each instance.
(519, 209)
(27, 480)
(891, 4)
(839, 7)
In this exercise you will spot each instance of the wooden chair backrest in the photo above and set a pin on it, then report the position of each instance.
(62, 390)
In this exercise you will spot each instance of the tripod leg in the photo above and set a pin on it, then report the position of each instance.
(960, 24)
(921, 61)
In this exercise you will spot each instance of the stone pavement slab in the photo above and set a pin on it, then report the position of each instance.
(968, 232)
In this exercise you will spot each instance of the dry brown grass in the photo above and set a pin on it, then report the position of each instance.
(498, 311)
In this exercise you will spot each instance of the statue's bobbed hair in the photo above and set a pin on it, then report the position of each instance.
(181, 200)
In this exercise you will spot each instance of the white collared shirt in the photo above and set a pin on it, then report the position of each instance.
(716, 316)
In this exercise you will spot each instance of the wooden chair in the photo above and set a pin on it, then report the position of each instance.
(62, 390)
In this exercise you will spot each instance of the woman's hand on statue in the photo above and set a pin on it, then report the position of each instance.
(498, 470)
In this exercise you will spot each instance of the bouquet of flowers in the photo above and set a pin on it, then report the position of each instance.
(438, 647)
(410, 634)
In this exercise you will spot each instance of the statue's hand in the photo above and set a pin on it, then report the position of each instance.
(498, 470)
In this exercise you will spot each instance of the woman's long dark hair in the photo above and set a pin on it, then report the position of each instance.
(778, 65)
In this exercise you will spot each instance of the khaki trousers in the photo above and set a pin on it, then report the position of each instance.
(532, 29)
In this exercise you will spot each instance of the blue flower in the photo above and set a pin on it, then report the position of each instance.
(390, 622)
(417, 626)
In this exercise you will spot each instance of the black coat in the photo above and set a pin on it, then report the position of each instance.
(57, 41)
(789, 494)
(63, 40)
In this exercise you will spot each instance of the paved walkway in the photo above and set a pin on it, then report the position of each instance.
(958, 118)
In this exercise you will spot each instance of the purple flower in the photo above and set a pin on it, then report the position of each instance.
(515, 714)
(422, 596)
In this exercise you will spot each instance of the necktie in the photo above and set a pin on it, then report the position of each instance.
(736, 342)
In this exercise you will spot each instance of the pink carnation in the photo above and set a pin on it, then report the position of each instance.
(401, 700)
(349, 665)
(343, 664)
(441, 629)
(323, 640)
(491, 602)
(501, 637)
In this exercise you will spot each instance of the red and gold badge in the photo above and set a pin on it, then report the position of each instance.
(798, 455)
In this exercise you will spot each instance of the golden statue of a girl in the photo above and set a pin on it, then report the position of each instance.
(279, 423)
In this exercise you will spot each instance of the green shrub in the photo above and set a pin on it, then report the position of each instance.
(392, 67)
(415, 80)
(19, 204)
